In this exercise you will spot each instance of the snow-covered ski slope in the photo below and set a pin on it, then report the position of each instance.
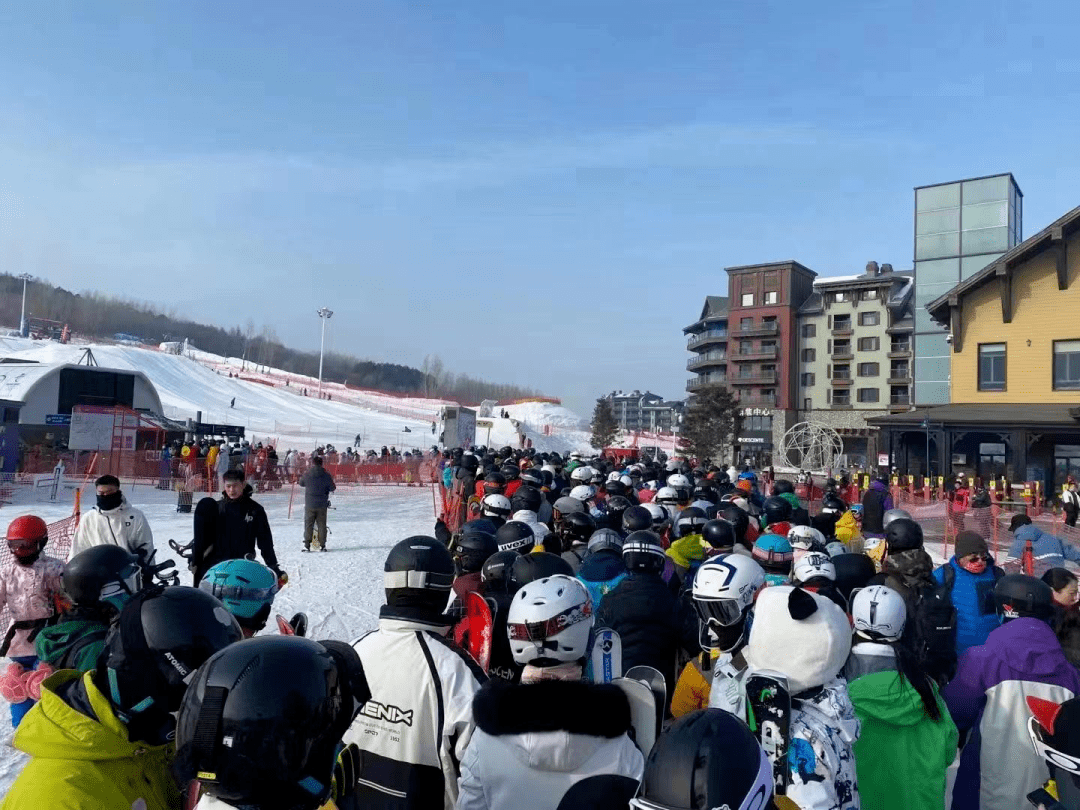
(269, 409)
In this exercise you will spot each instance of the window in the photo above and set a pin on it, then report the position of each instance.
(809, 330)
(868, 370)
(869, 318)
(746, 323)
(869, 295)
(808, 404)
(768, 346)
(868, 394)
(841, 396)
(899, 370)
(759, 423)
(748, 299)
(808, 379)
(809, 355)
(840, 297)
(870, 344)
(842, 372)
(768, 394)
(992, 367)
(841, 322)
(771, 297)
(746, 371)
(898, 395)
(841, 347)
(902, 345)
(1066, 365)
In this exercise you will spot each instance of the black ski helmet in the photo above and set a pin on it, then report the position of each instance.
(853, 571)
(782, 486)
(777, 510)
(636, 519)
(706, 759)
(494, 482)
(533, 477)
(737, 517)
(160, 638)
(706, 493)
(834, 503)
(643, 552)
(514, 535)
(689, 521)
(903, 534)
(470, 462)
(496, 572)
(605, 540)
(1020, 596)
(719, 534)
(527, 497)
(262, 721)
(576, 527)
(615, 487)
(531, 567)
(418, 575)
(474, 545)
(614, 509)
(510, 471)
(102, 576)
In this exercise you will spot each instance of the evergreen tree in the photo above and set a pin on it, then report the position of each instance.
(709, 422)
(604, 427)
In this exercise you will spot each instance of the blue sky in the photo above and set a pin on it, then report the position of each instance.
(540, 193)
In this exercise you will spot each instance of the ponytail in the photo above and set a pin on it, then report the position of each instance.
(907, 668)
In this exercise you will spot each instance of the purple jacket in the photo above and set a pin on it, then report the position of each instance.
(987, 697)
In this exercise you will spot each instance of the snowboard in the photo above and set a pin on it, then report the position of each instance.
(652, 678)
(770, 718)
(606, 655)
(474, 631)
(642, 711)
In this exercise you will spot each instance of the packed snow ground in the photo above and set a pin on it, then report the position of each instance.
(340, 590)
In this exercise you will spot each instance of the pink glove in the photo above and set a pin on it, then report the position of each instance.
(33, 680)
(12, 686)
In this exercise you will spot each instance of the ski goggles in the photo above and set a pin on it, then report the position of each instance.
(724, 612)
(1059, 759)
(542, 631)
(128, 583)
(240, 593)
(418, 579)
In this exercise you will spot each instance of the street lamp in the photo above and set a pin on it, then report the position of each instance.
(324, 315)
(22, 319)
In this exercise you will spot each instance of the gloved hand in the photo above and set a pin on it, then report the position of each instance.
(33, 680)
(282, 578)
(346, 771)
(12, 685)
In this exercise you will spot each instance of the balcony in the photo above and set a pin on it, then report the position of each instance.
(899, 402)
(843, 405)
(697, 383)
(761, 378)
(706, 359)
(842, 354)
(763, 353)
(712, 336)
(842, 380)
(770, 328)
(842, 329)
(899, 350)
(758, 401)
(902, 378)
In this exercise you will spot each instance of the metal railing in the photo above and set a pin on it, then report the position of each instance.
(706, 337)
(706, 359)
(770, 328)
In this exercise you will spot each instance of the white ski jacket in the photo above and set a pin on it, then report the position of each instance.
(539, 529)
(414, 730)
(534, 741)
(824, 729)
(124, 526)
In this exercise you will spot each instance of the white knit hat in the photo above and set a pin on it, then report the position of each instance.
(799, 633)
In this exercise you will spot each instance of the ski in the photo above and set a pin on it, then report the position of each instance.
(642, 711)
(770, 717)
(606, 655)
(284, 627)
(652, 678)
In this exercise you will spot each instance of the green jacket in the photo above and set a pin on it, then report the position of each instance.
(897, 737)
(73, 643)
(78, 762)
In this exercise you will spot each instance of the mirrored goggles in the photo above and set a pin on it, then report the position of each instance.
(724, 612)
(541, 631)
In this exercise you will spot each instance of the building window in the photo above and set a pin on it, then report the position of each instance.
(840, 297)
(869, 295)
(841, 371)
(869, 318)
(809, 355)
(808, 379)
(746, 347)
(869, 344)
(809, 330)
(868, 395)
(841, 396)
(808, 404)
(771, 297)
(868, 369)
(841, 322)
(768, 394)
(841, 347)
(746, 324)
(759, 423)
(991, 366)
(1066, 365)
(768, 346)
(747, 299)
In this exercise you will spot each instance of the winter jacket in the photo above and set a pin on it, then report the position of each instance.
(907, 572)
(30, 592)
(876, 501)
(317, 484)
(601, 571)
(824, 729)
(575, 555)
(1048, 550)
(80, 762)
(74, 642)
(502, 666)
(998, 766)
(124, 526)
(972, 596)
(692, 689)
(653, 624)
(534, 741)
(241, 525)
(221, 463)
(728, 689)
(686, 551)
(896, 736)
(799, 515)
(415, 729)
(847, 528)
(539, 529)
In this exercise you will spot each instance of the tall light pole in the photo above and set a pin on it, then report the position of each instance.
(324, 315)
(22, 319)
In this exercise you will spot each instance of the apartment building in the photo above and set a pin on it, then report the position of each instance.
(648, 412)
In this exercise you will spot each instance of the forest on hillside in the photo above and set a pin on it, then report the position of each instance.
(101, 317)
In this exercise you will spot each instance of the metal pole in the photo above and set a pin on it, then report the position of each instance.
(324, 315)
(926, 424)
(22, 318)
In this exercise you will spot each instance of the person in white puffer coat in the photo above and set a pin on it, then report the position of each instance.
(114, 521)
(537, 739)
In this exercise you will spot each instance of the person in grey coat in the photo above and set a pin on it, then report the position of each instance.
(317, 484)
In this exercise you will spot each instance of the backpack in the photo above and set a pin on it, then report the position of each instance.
(931, 630)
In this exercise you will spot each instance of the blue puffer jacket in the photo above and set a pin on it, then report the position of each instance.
(971, 596)
(600, 572)
(1049, 550)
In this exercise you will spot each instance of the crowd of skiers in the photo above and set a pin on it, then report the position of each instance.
(156, 696)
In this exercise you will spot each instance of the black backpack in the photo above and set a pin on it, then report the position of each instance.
(931, 630)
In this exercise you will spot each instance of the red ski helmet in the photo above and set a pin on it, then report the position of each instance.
(26, 535)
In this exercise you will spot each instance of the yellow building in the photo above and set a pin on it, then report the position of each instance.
(1014, 329)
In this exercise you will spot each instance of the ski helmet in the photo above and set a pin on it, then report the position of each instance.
(495, 573)
(510, 471)
(160, 638)
(836, 548)
(494, 483)
(527, 498)
(614, 509)
(667, 496)
(718, 534)
(643, 552)
(550, 622)
(724, 590)
(878, 613)
(777, 510)
(1020, 596)
(495, 505)
(566, 506)
(597, 478)
(261, 722)
(537, 565)
(245, 587)
(468, 461)
(102, 576)
(475, 544)
(707, 759)
(775, 555)
(782, 486)
(853, 571)
(894, 514)
(516, 535)
(806, 538)
(615, 488)
(583, 493)
(738, 518)
(660, 517)
(1054, 729)
(706, 493)
(690, 521)
(582, 475)
(533, 477)
(813, 565)
(679, 481)
(903, 534)
(418, 574)
(637, 519)
(26, 537)
(605, 539)
(577, 527)
(833, 504)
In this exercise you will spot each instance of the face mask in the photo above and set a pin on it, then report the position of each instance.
(107, 502)
(974, 567)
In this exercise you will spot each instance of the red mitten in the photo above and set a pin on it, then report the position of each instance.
(12, 686)
(33, 680)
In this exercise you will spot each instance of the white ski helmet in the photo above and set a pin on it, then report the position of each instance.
(806, 538)
(583, 493)
(678, 481)
(813, 564)
(878, 613)
(626, 479)
(614, 475)
(661, 518)
(836, 548)
(550, 622)
(582, 475)
(724, 589)
(667, 496)
(495, 505)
